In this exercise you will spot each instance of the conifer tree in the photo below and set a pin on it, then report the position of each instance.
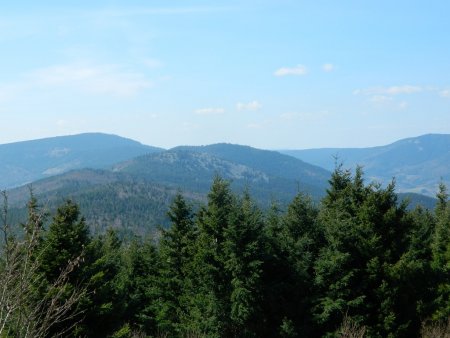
(66, 239)
(441, 254)
(243, 264)
(211, 308)
(176, 249)
(104, 273)
(140, 275)
(358, 272)
(292, 243)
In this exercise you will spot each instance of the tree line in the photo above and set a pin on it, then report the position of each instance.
(358, 264)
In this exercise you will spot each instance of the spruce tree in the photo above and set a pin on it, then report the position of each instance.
(441, 255)
(176, 249)
(211, 304)
(243, 264)
(104, 273)
(140, 276)
(66, 239)
(359, 271)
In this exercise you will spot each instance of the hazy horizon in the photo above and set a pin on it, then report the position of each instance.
(269, 74)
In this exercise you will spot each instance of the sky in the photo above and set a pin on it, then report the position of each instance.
(273, 74)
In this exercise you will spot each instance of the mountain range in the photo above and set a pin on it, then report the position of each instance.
(28, 161)
(418, 164)
(121, 183)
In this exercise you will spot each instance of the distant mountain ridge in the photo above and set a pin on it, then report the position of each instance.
(417, 163)
(271, 162)
(134, 195)
(130, 186)
(27, 161)
(268, 174)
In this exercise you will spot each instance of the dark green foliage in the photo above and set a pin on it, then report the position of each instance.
(176, 249)
(141, 277)
(103, 273)
(441, 254)
(232, 270)
(293, 242)
(367, 265)
(243, 264)
(67, 237)
(214, 282)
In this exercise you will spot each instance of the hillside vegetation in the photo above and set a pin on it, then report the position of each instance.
(359, 264)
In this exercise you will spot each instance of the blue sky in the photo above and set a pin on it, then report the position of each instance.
(270, 74)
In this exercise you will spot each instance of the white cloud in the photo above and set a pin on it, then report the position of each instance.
(291, 116)
(407, 89)
(393, 90)
(140, 11)
(403, 105)
(255, 125)
(328, 67)
(209, 111)
(10, 92)
(251, 106)
(189, 126)
(259, 125)
(304, 116)
(61, 123)
(97, 79)
(445, 93)
(297, 70)
(152, 63)
(380, 99)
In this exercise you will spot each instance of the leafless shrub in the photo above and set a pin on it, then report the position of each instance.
(436, 329)
(350, 329)
(21, 313)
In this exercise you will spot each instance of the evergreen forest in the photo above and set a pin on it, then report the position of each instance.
(358, 264)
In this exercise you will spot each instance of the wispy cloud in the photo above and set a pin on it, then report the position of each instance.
(407, 89)
(140, 11)
(209, 111)
(328, 67)
(380, 99)
(96, 79)
(304, 116)
(403, 105)
(259, 125)
(445, 93)
(250, 106)
(152, 63)
(297, 70)
(9, 92)
(393, 90)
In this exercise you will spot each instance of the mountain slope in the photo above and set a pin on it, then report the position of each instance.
(27, 161)
(134, 195)
(271, 162)
(271, 176)
(106, 199)
(417, 163)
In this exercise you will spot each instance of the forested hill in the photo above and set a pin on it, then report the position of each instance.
(27, 161)
(270, 162)
(123, 202)
(268, 174)
(418, 163)
(133, 197)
